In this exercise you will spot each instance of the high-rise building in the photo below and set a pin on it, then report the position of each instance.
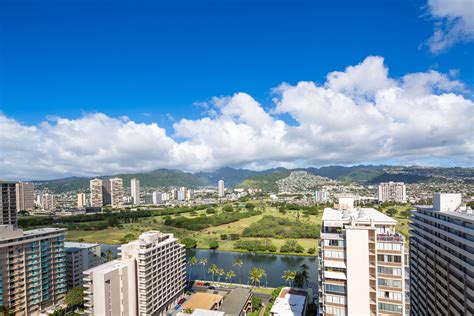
(8, 203)
(221, 188)
(182, 194)
(97, 197)
(157, 197)
(79, 258)
(32, 269)
(174, 194)
(116, 192)
(362, 263)
(442, 257)
(392, 192)
(48, 201)
(189, 194)
(135, 190)
(321, 197)
(25, 196)
(106, 192)
(81, 200)
(138, 283)
(148, 198)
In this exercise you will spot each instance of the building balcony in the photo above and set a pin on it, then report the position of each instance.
(391, 238)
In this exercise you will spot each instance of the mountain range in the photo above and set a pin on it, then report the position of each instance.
(267, 179)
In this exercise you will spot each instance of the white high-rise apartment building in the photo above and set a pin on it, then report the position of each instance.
(221, 188)
(25, 196)
(392, 192)
(81, 200)
(189, 194)
(80, 257)
(116, 192)
(442, 257)
(362, 263)
(147, 280)
(97, 198)
(157, 197)
(321, 196)
(48, 201)
(135, 190)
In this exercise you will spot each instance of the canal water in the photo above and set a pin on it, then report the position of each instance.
(274, 265)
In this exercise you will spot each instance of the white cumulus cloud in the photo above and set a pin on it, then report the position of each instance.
(454, 22)
(358, 115)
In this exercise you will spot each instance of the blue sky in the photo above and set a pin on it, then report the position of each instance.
(152, 60)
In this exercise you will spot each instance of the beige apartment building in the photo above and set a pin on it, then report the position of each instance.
(25, 196)
(135, 190)
(148, 279)
(392, 192)
(32, 269)
(116, 192)
(362, 263)
(97, 198)
(81, 200)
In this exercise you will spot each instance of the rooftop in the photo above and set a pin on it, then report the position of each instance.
(202, 300)
(361, 215)
(290, 302)
(235, 301)
(202, 312)
(107, 267)
(78, 245)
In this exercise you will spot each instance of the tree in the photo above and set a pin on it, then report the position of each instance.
(391, 212)
(312, 251)
(238, 263)
(213, 244)
(289, 276)
(203, 262)
(256, 302)
(256, 275)
(228, 209)
(220, 272)
(188, 310)
(108, 255)
(189, 243)
(74, 297)
(304, 272)
(229, 276)
(192, 262)
(213, 269)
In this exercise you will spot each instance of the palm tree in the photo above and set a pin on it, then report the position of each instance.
(203, 262)
(192, 262)
(255, 276)
(229, 275)
(289, 276)
(304, 272)
(238, 263)
(213, 270)
(220, 272)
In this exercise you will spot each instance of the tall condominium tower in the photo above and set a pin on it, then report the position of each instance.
(81, 200)
(8, 203)
(442, 257)
(135, 190)
(32, 269)
(48, 201)
(221, 188)
(362, 262)
(96, 199)
(147, 280)
(116, 192)
(106, 192)
(392, 191)
(25, 196)
(79, 258)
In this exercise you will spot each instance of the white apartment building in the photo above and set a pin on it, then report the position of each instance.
(157, 197)
(81, 200)
(221, 188)
(97, 198)
(442, 257)
(116, 192)
(48, 201)
(392, 192)
(80, 257)
(25, 196)
(147, 280)
(135, 190)
(362, 263)
(321, 197)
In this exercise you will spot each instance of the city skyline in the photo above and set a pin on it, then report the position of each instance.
(402, 96)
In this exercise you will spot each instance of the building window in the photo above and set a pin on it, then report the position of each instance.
(389, 270)
(395, 296)
(390, 307)
(335, 311)
(341, 300)
(333, 254)
(389, 246)
(389, 258)
(390, 283)
(335, 288)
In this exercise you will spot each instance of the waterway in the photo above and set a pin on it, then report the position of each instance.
(274, 265)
